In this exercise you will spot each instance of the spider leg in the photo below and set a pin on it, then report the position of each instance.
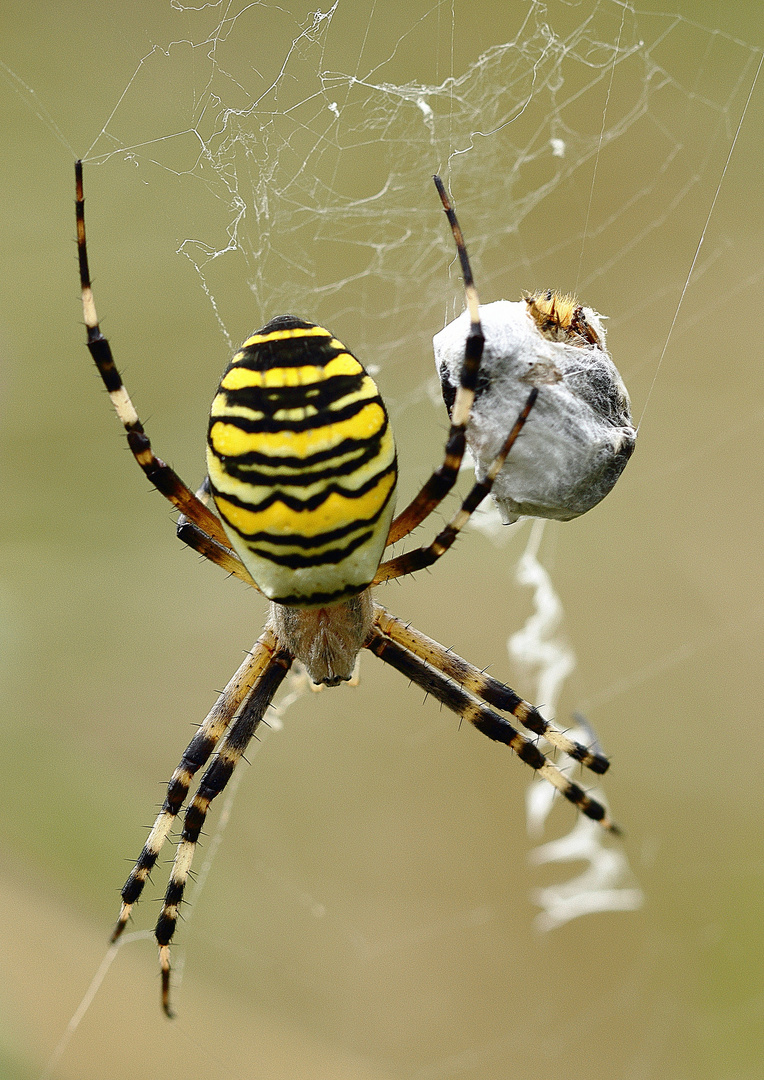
(196, 754)
(444, 478)
(418, 558)
(483, 687)
(213, 542)
(215, 778)
(193, 536)
(190, 534)
(486, 720)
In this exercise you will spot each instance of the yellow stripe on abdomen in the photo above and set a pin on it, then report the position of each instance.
(336, 511)
(229, 439)
(302, 464)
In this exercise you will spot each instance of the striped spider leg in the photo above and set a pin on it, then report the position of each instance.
(444, 478)
(301, 468)
(212, 540)
(487, 721)
(418, 558)
(484, 687)
(238, 694)
(213, 781)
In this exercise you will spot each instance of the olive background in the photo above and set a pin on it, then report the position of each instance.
(370, 910)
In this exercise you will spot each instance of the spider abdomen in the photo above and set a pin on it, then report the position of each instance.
(302, 464)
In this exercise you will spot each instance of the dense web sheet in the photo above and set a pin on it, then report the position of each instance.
(573, 137)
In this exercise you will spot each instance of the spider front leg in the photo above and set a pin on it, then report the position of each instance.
(205, 532)
(212, 783)
(411, 561)
(444, 478)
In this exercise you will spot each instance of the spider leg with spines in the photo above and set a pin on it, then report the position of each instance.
(419, 558)
(240, 687)
(213, 542)
(444, 477)
(213, 781)
(485, 688)
(486, 721)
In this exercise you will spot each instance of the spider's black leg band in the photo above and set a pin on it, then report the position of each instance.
(444, 478)
(212, 783)
(485, 688)
(196, 754)
(411, 561)
(487, 721)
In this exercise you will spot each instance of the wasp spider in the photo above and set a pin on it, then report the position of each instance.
(301, 468)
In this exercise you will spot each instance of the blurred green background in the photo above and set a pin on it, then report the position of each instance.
(370, 912)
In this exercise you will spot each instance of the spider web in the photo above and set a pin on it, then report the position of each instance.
(576, 138)
(325, 167)
(321, 174)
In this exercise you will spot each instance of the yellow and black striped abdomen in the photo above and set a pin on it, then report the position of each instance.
(301, 459)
